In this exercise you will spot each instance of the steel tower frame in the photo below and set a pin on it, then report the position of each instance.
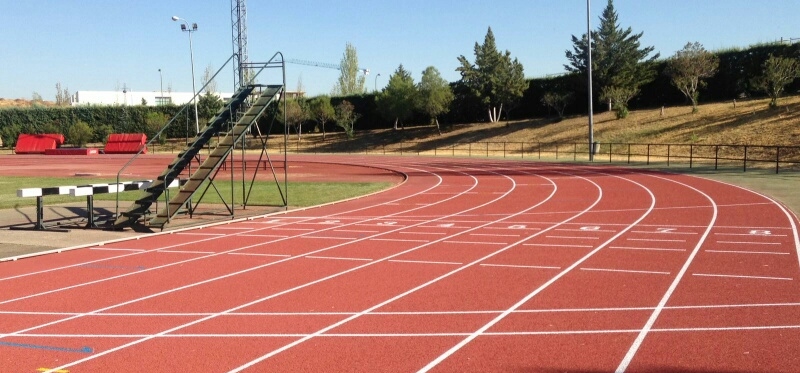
(239, 37)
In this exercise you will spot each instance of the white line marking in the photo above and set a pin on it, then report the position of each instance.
(291, 229)
(574, 238)
(397, 240)
(519, 266)
(558, 245)
(257, 254)
(185, 252)
(115, 249)
(745, 252)
(354, 231)
(660, 232)
(329, 238)
(644, 248)
(748, 243)
(742, 276)
(437, 233)
(475, 243)
(751, 235)
(422, 262)
(337, 258)
(584, 230)
(654, 240)
(624, 271)
(493, 235)
(264, 235)
(199, 234)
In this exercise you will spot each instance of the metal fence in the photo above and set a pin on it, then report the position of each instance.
(744, 157)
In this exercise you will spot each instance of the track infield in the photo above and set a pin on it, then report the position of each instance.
(468, 266)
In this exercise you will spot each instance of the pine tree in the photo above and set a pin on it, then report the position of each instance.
(396, 101)
(619, 63)
(495, 78)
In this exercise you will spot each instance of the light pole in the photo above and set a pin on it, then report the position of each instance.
(376, 81)
(185, 27)
(589, 71)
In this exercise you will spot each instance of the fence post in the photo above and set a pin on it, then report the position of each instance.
(716, 156)
(668, 151)
(504, 149)
(777, 159)
(539, 148)
(469, 150)
(454, 150)
(691, 155)
(522, 149)
(648, 154)
(556, 151)
(629, 153)
(744, 167)
(610, 146)
(575, 152)
(487, 149)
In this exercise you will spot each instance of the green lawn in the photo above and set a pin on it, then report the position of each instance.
(301, 194)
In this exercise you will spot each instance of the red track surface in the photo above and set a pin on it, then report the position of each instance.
(468, 266)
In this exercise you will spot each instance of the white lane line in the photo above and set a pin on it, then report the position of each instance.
(422, 262)
(584, 230)
(257, 254)
(199, 234)
(742, 276)
(436, 233)
(637, 343)
(746, 252)
(751, 235)
(624, 271)
(475, 243)
(667, 232)
(186, 252)
(290, 229)
(115, 249)
(644, 248)
(337, 258)
(235, 228)
(574, 238)
(397, 240)
(329, 238)
(526, 228)
(264, 235)
(519, 266)
(653, 240)
(354, 231)
(494, 235)
(748, 243)
(558, 245)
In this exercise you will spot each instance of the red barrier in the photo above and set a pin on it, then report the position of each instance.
(35, 144)
(125, 143)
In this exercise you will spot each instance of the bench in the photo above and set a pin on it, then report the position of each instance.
(80, 191)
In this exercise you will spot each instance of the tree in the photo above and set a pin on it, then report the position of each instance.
(494, 78)
(434, 95)
(296, 114)
(346, 117)
(207, 81)
(321, 110)
(80, 133)
(619, 97)
(350, 82)
(778, 72)
(688, 67)
(396, 101)
(208, 105)
(557, 101)
(153, 122)
(618, 60)
(62, 95)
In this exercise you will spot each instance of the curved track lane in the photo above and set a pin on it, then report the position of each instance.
(468, 266)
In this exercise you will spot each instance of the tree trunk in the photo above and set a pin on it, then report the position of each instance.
(438, 129)
(395, 123)
(323, 130)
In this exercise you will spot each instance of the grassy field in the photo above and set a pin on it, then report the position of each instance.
(301, 194)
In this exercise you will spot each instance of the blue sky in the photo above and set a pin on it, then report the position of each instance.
(107, 44)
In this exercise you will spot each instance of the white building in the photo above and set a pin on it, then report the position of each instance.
(135, 98)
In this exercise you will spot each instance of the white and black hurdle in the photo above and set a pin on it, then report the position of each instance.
(89, 191)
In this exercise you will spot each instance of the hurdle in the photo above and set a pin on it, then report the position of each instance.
(87, 191)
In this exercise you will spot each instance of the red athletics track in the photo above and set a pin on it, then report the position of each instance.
(468, 266)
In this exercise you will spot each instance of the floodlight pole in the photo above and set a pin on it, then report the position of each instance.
(161, 76)
(190, 30)
(589, 71)
(376, 81)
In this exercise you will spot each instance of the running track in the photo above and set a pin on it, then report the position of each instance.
(468, 266)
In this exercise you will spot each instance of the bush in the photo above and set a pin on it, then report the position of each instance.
(79, 134)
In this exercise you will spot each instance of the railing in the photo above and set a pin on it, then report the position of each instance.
(744, 157)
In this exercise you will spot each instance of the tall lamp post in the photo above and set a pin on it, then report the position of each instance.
(589, 71)
(185, 27)
(376, 81)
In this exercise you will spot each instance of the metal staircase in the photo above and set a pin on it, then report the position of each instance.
(141, 207)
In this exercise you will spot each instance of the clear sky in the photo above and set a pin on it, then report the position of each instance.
(109, 44)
